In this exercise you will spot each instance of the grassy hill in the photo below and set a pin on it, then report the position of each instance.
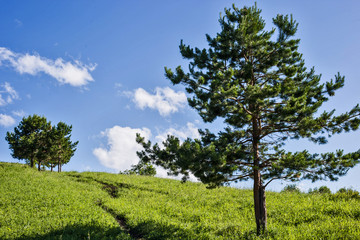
(90, 205)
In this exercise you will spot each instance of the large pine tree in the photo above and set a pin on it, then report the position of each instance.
(256, 80)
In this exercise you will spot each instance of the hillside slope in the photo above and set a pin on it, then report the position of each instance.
(90, 205)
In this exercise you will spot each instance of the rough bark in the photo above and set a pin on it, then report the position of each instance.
(259, 204)
(258, 189)
(32, 162)
(59, 165)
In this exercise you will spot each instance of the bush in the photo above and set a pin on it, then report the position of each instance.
(291, 188)
(321, 190)
(347, 193)
(141, 168)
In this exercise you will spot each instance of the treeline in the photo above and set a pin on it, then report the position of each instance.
(342, 193)
(36, 141)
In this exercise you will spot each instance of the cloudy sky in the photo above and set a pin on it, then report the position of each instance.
(99, 65)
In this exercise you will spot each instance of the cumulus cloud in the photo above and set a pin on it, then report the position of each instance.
(120, 152)
(164, 100)
(74, 73)
(6, 120)
(190, 131)
(7, 94)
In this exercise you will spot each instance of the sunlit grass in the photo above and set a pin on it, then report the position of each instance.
(44, 205)
(84, 205)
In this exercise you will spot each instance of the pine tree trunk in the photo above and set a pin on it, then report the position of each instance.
(59, 165)
(259, 204)
(39, 166)
(259, 189)
(51, 167)
(32, 163)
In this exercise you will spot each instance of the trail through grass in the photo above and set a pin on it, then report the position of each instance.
(44, 205)
(89, 205)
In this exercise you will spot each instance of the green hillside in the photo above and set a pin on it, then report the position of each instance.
(89, 205)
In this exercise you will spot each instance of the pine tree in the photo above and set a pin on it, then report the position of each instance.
(256, 80)
(25, 140)
(62, 149)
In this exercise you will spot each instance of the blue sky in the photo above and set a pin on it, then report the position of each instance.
(99, 65)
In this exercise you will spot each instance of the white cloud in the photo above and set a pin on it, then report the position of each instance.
(2, 101)
(121, 149)
(7, 94)
(190, 131)
(165, 100)
(118, 85)
(6, 120)
(74, 73)
(162, 173)
(8, 89)
(19, 113)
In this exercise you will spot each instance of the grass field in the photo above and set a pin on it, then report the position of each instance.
(90, 205)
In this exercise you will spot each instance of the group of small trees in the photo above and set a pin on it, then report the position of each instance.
(36, 141)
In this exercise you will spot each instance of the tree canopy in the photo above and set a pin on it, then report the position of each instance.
(256, 81)
(35, 140)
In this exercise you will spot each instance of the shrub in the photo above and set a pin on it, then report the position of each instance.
(291, 188)
(346, 193)
(321, 190)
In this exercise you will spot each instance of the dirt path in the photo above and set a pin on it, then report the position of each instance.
(112, 190)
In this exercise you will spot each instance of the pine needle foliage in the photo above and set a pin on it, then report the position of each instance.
(256, 81)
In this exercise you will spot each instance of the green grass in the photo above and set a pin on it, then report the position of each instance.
(44, 205)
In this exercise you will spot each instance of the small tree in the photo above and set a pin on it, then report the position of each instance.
(141, 168)
(260, 86)
(291, 188)
(27, 138)
(321, 190)
(62, 149)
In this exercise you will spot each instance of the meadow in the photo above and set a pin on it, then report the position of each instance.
(93, 205)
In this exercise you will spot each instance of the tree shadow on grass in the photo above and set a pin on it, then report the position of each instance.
(149, 230)
(152, 230)
(79, 232)
(155, 231)
(146, 230)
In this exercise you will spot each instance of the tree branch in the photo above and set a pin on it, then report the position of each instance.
(240, 177)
